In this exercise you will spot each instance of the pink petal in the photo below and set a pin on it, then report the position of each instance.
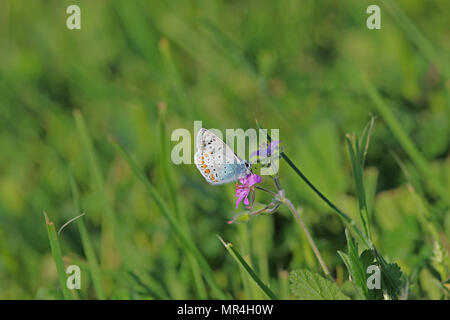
(241, 196)
(253, 179)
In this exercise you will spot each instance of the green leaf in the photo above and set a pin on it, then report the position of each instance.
(392, 279)
(367, 259)
(307, 285)
(355, 266)
(395, 281)
(355, 157)
(345, 258)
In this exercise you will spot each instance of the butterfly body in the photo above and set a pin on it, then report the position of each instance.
(216, 161)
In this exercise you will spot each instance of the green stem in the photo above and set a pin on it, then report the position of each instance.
(302, 224)
(266, 190)
(344, 216)
(347, 220)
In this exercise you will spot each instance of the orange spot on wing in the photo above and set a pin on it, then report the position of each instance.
(207, 171)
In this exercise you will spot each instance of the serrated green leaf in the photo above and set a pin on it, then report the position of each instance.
(357, 270)
(367, 259)
(396, 276)
(392, 279)
(307, 285)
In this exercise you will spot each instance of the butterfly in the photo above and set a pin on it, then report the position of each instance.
(216, 161)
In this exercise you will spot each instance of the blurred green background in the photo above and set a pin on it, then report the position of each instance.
(293, 65)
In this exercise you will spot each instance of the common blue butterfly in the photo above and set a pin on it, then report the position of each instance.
(216, 161)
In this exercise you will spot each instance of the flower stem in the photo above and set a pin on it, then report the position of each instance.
(266, 190)
(299, 219)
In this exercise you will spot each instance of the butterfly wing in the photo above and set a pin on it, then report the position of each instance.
(216, 161)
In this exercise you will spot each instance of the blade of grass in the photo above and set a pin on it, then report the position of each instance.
(86, 241)
(355, 157)
(251, 289)
(180, 214)
(129, 259)
(405, 141)
(416, 36)
(176, 227)
(174, 77)
(283, 284)
(240, 261)
(227, 46)
(139, 32)
(365, 140)
(57, 257)
(261, 229)
(425, 216)
(99, 185)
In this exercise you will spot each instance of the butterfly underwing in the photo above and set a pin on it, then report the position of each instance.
(216, 161)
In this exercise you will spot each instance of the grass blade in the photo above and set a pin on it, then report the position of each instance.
(416, 36)
(355, 156)
(174, 78)
(240, 261)
(424, 215)
(129, 258)
(405, 141)
(57, 257)
(86, 241)
(99, 184)
(176, 227)
(365, 140)
(244, 240)
(180, 214)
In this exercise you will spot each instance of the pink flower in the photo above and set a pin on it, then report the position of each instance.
(244, 189)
